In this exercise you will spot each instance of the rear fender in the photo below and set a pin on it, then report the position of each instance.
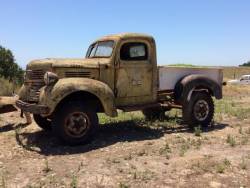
(186, 86)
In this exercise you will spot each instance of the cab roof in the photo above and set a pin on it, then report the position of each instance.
(125, 36)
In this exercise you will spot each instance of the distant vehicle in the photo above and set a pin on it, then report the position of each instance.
(244, 80)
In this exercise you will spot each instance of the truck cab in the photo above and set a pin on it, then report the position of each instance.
(132, 64)
(119, 72)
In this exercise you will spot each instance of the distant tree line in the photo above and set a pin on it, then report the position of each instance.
(9, 69)
(247, 64)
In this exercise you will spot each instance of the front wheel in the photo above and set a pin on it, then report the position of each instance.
(199, 110)
(74, 123)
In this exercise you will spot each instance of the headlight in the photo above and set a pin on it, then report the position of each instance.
(50, 78)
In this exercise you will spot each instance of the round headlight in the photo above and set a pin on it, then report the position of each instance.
(50, 78)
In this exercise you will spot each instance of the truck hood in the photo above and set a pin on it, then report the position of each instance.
(71, 63)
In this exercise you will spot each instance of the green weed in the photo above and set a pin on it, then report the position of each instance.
(73, 183)
(243, 164)
(166, 150)
(231, 140)
(46, 168)
(240, 130)
(184, 148)
(197, 131)
(221, 167)
(123, 185)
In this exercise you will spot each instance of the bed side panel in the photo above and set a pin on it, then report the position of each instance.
(169, 76)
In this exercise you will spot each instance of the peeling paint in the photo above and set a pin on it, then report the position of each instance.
(115, 82)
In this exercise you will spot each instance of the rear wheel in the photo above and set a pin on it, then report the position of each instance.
(74, 123)
(199, 110)
(42, 122)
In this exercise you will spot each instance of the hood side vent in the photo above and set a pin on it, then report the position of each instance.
(35, 74)
(77, 74)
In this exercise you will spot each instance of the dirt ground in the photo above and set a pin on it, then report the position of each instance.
(130, 152)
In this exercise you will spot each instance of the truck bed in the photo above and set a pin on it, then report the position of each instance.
(170, 75)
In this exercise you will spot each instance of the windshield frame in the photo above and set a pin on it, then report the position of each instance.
(92, 46)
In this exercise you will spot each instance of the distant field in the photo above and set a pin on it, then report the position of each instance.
(235, 72)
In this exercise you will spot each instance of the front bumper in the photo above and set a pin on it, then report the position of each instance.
(32, 108)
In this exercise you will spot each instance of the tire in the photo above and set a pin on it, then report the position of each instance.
(42, 122)
(154, 113)
(199, 110)
(74, 123)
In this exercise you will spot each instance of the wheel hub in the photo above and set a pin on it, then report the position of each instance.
(77, 124)
(201, 110)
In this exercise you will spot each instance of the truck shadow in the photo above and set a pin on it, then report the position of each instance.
(45, 143)
(11, 126)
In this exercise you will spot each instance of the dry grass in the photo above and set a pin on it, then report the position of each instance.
(235, 72)
(235, 102)
(7, 88)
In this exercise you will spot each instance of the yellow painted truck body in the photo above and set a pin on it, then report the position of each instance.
(119, 72)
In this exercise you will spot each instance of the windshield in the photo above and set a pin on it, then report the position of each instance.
(100, 49)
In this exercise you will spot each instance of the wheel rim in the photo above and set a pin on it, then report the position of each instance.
(77, 124)
(201, 110)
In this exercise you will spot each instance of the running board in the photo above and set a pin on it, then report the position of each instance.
(138, 107)
(144, 106)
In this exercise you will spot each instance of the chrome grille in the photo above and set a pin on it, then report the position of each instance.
(77, 74)
(36, 80)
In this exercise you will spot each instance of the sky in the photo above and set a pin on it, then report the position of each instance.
(200, 32)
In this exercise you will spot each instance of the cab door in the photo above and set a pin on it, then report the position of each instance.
(134, 74)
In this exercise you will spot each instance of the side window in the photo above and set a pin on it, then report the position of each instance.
(134, 51)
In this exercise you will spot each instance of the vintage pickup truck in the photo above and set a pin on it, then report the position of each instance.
(119, 72)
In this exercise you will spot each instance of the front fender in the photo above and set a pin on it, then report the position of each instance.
(52, 95)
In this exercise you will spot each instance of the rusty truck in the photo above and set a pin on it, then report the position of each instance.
(119, 72)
